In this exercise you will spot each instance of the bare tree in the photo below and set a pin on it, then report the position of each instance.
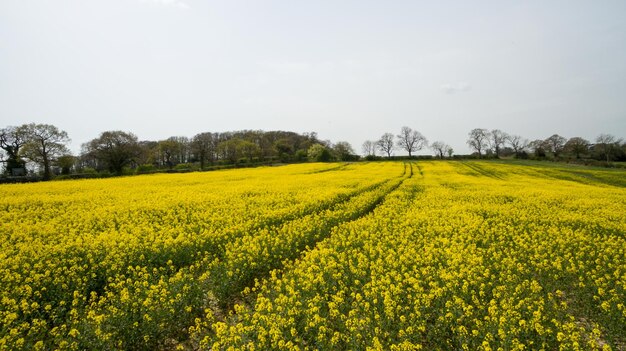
(576, 146)
(517, 143)
(369, 148)
(449, 151)
(45, 143)
(440, 148)
(385, 143)
(411, 140)
(478, 140)
(555, 144)
(497, 138)
(605, 145)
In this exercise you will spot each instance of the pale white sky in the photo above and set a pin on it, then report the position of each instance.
(349, 70)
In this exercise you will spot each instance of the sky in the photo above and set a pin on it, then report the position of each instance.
(349, 70)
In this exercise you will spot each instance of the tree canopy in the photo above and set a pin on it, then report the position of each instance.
(411, 140)
(114, 149)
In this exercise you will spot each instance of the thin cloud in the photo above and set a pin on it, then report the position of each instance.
(173, 3)
(458, 87)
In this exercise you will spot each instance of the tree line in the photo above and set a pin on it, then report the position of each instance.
(495, 144)
(119, 152)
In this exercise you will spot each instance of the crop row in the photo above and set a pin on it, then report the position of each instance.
(150, 254)
(495, 258)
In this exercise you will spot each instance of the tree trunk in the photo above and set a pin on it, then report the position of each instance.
(46, 168)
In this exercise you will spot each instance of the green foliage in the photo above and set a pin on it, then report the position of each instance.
(115, 149)
(319, 153)
(300, 156)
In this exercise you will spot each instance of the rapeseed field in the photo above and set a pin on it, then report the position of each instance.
(459, 255)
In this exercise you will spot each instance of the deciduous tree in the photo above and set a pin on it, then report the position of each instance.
(204, 148)
(113, 150)
(449, 151)
(66, 162)
(478, 140)
(248, 149)
(605, 145)
(577, 146)
(497, 138)
(230, 149)
(411, 140)
(517, 143)
(12, 139)
(343, 151)
(385, 144)
(369, 148)
(169, 149)
(318, 153)
(539, 147)
(440, 148)
(555, 144)
(45, 143)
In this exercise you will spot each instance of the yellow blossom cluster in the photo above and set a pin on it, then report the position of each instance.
(127, 263)
(463, 256)
(459, 255)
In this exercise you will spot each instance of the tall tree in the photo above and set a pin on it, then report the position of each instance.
(517, 143)
(385, 143)
(231, 149)
(249, 149)
(449, 151)
(45, 143)
(478, 140)
(343, 150)
(576, 146)
(539, 147)
(169, 150)
(183, 153)
(203, 146)
(555, 144)
(284, 146)
(440, 148)
(411, 140)
(318, 153)
(66, 162)
(113, 149)
(149, 153)
(369, 148)
(605, 145)
(497, 138)
(12, 139)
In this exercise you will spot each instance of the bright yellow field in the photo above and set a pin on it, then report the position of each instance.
(428, 255)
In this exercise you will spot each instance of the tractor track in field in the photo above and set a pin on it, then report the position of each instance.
(214, 245)
(226, 310)
(474, 167)
(215, 248)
